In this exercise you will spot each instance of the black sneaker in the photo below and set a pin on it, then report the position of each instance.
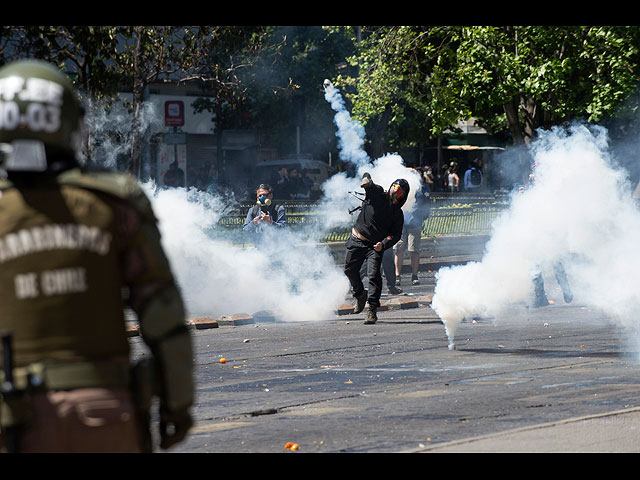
(397, 280)
(361, 300)
(372, 316)
(414, 280)
(394, 290)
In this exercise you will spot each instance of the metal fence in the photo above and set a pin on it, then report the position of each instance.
(451, 214)
(463, 213)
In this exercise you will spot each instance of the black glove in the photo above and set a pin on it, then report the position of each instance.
(174, 426)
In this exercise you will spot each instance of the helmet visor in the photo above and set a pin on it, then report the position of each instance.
(397, 195)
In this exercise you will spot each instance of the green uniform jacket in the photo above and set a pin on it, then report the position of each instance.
(69, 247)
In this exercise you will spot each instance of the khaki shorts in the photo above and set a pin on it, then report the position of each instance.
(410, 240)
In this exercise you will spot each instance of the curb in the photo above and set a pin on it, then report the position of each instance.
(432, 258)
(197, 323)
(267, 316)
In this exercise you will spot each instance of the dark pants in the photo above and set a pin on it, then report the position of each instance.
(357, 253)
(388, 267)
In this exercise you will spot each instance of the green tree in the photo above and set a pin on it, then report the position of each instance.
(270, 78)
(88, 54)
(513, 79)
(542, 76)
(401, 90)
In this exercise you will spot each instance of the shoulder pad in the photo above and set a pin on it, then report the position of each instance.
(123, 186)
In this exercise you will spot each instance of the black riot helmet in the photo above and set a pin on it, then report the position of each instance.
(40, 116)
(399, 192)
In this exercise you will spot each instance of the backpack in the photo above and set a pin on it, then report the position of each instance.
(476, 177)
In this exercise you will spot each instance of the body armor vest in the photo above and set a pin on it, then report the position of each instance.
(60, 281)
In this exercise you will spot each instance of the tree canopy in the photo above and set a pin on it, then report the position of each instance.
(512, 79)
(406, 84)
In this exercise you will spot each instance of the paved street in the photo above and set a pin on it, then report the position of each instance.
(547, 381)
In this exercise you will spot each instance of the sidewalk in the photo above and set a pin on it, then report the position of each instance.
(612, 432)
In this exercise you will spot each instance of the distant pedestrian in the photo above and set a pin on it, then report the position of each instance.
(453, 180)
(174, 177)
(412, 235)
(280, 182)
(473, 177)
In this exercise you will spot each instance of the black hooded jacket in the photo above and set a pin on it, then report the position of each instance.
(379, 220)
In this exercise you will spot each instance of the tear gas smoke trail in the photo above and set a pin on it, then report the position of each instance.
(350, 132)
(337, 200)
(287, 274)
(580, 212)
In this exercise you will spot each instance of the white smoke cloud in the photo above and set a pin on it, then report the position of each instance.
(289, 272)
(285, 273)
(350, 132)
(338, 198)
(109, 126)
(579, 212)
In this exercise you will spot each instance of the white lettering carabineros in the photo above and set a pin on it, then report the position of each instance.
(54, 237)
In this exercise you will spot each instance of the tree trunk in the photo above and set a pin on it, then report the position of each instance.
(219, 152)
(533, 117)
(138, 98)
(136, 130)
(511, 111)
(88, 140)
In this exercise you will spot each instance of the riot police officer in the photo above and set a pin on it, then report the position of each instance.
(76, 248)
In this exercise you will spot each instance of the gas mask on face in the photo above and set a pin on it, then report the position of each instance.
(263, 202)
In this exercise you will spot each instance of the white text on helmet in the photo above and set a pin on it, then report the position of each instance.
(10, 86)
(43, 91)
(31, 90)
